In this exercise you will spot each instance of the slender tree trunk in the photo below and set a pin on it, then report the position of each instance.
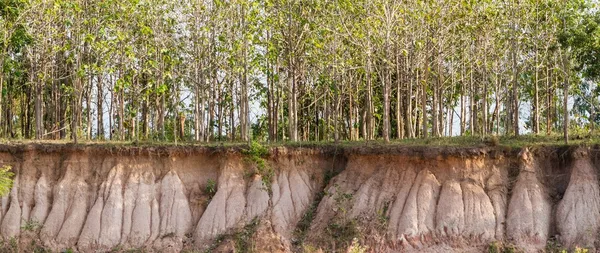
(536, 98)
(100, 107)
(38, 111)
(2, 126)
(399, 118)
(565, 67)
(515, 90)
(370, 128)
(549, 96)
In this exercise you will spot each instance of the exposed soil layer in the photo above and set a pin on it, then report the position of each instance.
(390, 198)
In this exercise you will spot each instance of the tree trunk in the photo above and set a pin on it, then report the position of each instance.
(565, 67)
(100, 107)
(515, 90)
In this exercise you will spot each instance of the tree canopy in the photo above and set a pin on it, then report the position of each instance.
(277, 70)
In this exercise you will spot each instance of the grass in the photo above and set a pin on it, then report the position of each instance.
(31, 225)
(456, 141)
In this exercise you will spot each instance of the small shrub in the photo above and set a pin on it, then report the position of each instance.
(382, 217)
(31, 225)
(498, 247)
(211, 188)
(13, 245)
(118, 248)
(256, 154)
(493, 141)
(343, 231)
(243, 238)
(307, 248)
(494, 247)
(554, 246)
(6, 180)
(355, 247)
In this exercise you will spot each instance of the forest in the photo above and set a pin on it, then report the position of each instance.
(297, 70)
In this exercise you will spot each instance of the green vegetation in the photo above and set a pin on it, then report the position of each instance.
(256, 154)
(303, 225)
(6, 180)
(355, 247)
(499, 247)
(210, 189)
(244, 243)
(31, 225)
(382, 216)
(242, 238)
(282, 70)
(341, 229)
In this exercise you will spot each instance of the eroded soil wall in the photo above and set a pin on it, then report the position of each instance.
(391, 199)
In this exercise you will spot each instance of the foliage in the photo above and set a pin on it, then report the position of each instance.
(31, 225)
(243, 239)
(283, 70)
(256, 154)
(6, 180)
(211, 188)
(355, 247)
(382, 216)
(499, 247)
(342, 232)
(341, 229)
(581, 250)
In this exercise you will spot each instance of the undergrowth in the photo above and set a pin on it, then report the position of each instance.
(499, 247)
(242, 238)
(6, 180)
(210, 189)
(355, 247)
(256, 154)
(382, 216)
(342, 229)
(10, 246)
(309, 215)
(31, 225)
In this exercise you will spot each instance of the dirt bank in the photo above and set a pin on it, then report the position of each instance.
(391, 199)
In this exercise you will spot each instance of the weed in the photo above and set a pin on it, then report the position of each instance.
(309, 249)
(35, 248)
(355, 247)
(342, 231)
(341, 198)
(554, 246)
(118, 248)
(243, 239)
(6, 180)
(211, 188)
(31, 225)
(309, 215)
(382, 217)
(256, 153)
(14, 244)
(134, 251)
(304, 223)
(498, 247)
(494, 247)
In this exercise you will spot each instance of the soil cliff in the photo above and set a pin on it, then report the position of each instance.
(313, 199)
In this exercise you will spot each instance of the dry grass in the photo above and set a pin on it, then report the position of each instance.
(460, 143)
